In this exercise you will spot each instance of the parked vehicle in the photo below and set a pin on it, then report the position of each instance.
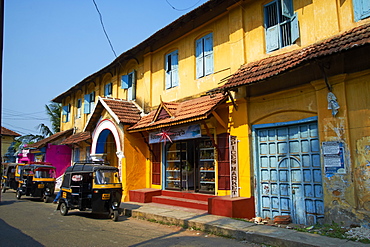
(91, 186)
(8, 180)
(37, 180)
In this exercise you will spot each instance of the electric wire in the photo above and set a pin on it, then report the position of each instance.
(173, 7)
(105, 32)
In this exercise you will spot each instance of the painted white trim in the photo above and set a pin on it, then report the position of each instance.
(103, 125)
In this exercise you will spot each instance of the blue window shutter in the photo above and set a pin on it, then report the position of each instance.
(208, 54)
(287, 8)
(175, 69)
(106, 90)
(199, 58)
(132, 86)
(361, 9)
(294, 28)
(272, 27)
(87, 98)
(272, 38)
(168, 83)
(65, 110)
(124, 82)
(110, 89)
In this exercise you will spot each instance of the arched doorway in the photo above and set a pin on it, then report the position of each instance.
(106, 143)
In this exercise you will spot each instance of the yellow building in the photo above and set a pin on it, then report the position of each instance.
(7, 138)
(261, 105)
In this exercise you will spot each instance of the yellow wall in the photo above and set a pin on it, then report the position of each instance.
(6, 141)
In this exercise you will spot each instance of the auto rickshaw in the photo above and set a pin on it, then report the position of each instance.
(37, 180)
(91, 186)
(8, 180)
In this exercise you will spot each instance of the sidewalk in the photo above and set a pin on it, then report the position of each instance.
(224, 226)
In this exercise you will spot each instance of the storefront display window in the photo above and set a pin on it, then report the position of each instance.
(176, 166)
(190, 166)
(206, 167)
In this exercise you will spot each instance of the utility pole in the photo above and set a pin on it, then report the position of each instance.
(1, 70)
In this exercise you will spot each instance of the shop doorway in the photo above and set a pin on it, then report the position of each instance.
(190, 166)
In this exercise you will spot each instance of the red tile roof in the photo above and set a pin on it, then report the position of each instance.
(126, 111)
(51, 139)
(184, 112)
(275, 65)
(76, 138)
(8, 132)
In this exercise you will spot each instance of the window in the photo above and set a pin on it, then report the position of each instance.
(79, 104)
(172, 67)
(89, 100)
(88, 150)
(108, 90)
(281, 24)
(361, 9)
(76, 154)
(129, 82)
(66, 113)
(204, 55)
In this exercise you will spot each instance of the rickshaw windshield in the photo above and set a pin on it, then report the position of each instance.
(106, 177)
(45, 173)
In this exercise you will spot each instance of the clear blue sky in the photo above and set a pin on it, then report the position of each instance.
(51, 45)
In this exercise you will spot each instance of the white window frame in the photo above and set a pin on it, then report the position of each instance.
(172, 69)
(281, 24)
(204, 56)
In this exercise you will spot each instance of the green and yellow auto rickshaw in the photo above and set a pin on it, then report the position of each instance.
(37, 180)
(91, 186)
(8, 180)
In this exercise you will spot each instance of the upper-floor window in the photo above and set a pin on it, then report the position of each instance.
(129, 82)
(79, 104)
(361, 9)
(89, 102)
(66, 113)
(172, 69)
(204, 55)
(108, 90)
(281, 24)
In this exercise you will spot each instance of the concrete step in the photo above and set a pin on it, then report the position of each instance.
(181, 202)
(187, 195)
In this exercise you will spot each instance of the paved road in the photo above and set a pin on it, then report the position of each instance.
(28, 222)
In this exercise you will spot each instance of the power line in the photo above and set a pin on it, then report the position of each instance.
(182, 9)
(105, 32)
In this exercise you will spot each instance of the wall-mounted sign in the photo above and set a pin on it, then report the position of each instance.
(333, 153)
(176, 134)
(234, 177)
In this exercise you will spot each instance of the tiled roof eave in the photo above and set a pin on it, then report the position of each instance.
(269, 67)
(165, 125)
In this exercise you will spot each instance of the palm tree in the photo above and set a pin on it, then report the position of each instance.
(53, 110)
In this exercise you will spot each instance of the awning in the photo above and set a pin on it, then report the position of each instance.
(173, 113)
(76, 138)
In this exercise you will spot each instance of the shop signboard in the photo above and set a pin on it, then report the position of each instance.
(234, 183)
(175, 134)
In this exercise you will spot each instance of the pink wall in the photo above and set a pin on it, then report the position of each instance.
(59, 156)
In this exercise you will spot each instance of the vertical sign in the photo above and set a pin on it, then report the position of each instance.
(234, 183)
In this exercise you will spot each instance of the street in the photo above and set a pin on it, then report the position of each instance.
(30, 222)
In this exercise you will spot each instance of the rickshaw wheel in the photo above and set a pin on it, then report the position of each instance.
(63, 209)
(46, 199)
(18, 195)
(113, 214)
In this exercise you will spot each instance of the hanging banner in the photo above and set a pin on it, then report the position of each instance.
(234, 177)
(176, 134)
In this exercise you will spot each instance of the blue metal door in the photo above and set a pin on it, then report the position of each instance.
(289, 178)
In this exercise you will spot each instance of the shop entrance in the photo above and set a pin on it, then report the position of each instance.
(190, 166)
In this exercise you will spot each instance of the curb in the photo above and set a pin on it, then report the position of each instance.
(239, 230)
